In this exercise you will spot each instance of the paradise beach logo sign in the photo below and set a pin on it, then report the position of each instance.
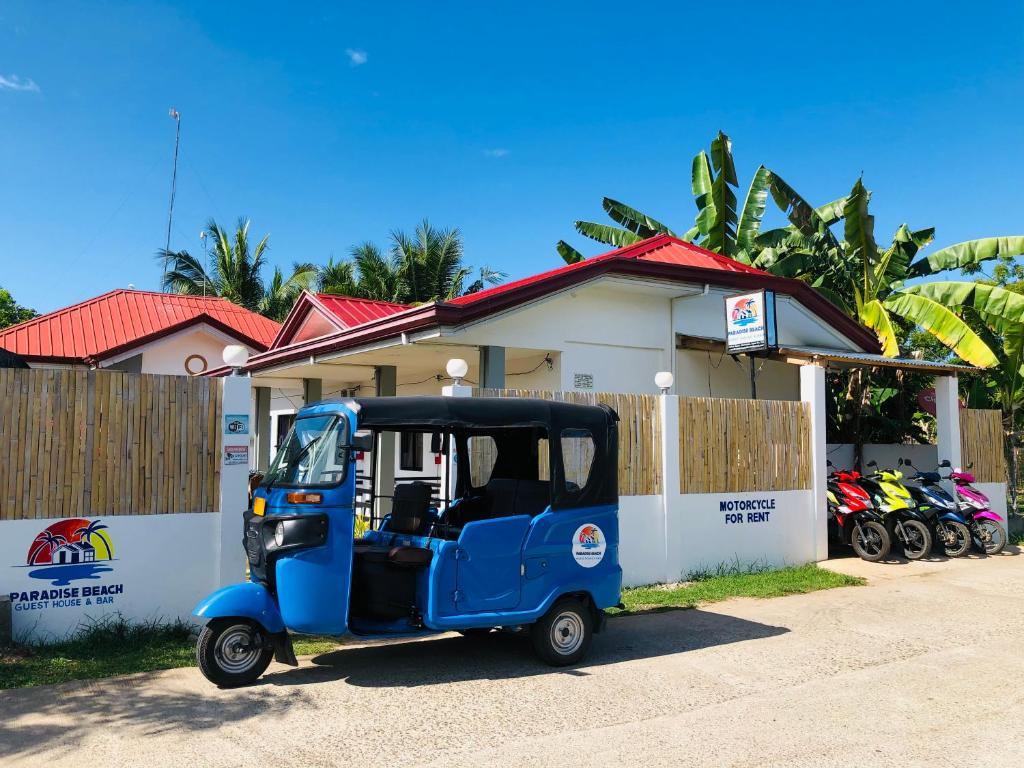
(588, 545)
(750, 322)
(67, 551)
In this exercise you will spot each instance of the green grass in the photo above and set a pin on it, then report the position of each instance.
(712, 586)
(118, 647)
(114, 647)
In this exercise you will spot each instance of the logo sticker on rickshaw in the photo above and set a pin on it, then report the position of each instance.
(588, 545)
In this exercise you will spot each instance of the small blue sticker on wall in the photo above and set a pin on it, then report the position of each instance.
(236, 424)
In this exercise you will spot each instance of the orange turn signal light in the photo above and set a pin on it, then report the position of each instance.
(259, 506)
(305, 498)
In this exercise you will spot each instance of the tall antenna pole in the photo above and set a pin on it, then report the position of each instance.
(176, 116)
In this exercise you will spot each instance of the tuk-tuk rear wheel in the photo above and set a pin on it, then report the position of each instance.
(233, 651)
(562, 636)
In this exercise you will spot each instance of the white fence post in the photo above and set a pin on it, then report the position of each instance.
(812, 391)
(947, 421)
(234, 481)
(668, 406)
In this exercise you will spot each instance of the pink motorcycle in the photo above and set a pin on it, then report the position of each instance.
(986, 526)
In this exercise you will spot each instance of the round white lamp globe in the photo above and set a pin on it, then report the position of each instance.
(457, 368)
(235, 356)
(664, 380)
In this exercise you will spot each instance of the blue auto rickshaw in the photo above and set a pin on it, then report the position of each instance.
(522, 535)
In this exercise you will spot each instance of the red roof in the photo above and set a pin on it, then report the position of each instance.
(660, 258)
(122, 319)
(661, 249)
(352, 312)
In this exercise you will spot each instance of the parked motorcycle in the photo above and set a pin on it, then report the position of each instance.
(948, 526)
(853, 519)
(986, 526)
(903, 520)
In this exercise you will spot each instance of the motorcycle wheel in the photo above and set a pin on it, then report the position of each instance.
(919, 540)
(992, 536)
(872, 543)
(958, 539)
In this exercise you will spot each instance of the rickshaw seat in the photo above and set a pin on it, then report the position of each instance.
(410, 508)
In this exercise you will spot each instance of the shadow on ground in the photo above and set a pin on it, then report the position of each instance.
(502, 655)
(41, 718)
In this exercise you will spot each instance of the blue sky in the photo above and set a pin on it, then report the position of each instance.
(334, 125)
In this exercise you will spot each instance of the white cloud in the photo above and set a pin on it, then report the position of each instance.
(15, 83)
(496, 152)
(356, 57)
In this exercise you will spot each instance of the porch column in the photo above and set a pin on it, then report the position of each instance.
(947, 421)
(812, 392)
(262, 428)
(385, 379)
(492, 367)
(235, 392)
(449, 468)
(312, 391)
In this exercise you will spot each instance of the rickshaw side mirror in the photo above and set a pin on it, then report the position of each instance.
(362, 443)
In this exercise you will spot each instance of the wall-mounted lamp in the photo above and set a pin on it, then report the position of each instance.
(235, 357)
(664, 380)
(457, 368)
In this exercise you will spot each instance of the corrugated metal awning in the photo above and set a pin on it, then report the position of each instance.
(866, 359)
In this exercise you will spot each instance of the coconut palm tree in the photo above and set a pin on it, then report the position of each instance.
(424, 266)
(236, 273)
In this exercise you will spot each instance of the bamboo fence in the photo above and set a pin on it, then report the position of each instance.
(730, 445)
(981, 444)
(78, 443)
(639, 437)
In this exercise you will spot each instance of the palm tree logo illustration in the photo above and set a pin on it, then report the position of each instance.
(48, 540)
(93, 530)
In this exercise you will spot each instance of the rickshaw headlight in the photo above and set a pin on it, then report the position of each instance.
(279, 534)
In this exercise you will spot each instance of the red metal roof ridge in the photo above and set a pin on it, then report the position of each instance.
(357, 298)
(454, 311)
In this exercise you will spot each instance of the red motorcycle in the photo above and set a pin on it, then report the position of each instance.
(852, 519)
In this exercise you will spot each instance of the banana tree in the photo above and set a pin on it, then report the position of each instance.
(719, 226)
(869, 282)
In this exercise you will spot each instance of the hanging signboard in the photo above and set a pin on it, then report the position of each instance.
(750, 322)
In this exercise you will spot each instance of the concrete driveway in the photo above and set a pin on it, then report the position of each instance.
(923, 667)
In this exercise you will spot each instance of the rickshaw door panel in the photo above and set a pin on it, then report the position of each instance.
(489, 564)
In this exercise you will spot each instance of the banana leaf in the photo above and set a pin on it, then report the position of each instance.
(609, 235)
(701, 179)
(875, 317)
(989, 300)
(753, 209)
(633, 220)
(967, 253)
(943, 324)
(569, 254)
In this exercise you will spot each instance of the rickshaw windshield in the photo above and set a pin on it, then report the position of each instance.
(314, 454)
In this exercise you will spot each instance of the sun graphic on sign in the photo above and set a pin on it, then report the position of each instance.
(71, 541)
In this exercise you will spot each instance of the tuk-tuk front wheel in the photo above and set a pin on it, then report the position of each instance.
(233, 651)
(562, 636)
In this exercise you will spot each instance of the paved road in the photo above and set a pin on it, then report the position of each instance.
(923, 667)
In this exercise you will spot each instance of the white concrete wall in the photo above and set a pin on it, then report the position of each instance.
(712, 374)
(163, 566)
(168, 354)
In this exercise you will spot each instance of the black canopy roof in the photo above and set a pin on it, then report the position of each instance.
(475, 412)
